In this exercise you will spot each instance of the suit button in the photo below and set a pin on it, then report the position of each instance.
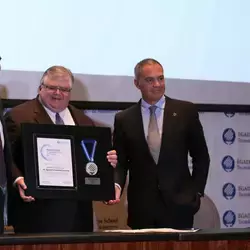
(159, 187)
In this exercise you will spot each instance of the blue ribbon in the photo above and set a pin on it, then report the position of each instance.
(90, 156)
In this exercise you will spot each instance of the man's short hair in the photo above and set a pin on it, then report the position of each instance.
(57, 72)
(141, 64)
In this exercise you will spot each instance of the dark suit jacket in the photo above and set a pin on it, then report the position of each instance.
(9, 165)
(182, 133)
(43, 215)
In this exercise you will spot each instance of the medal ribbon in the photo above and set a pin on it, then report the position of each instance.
(90, 156)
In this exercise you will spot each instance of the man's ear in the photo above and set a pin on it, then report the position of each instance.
(137, 84)
(39, 88)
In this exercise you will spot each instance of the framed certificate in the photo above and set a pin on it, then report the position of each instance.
(67, 162)
(55, 162)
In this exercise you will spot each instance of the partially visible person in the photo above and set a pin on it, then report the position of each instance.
(153, 139)
(28, 214)
(7, 167)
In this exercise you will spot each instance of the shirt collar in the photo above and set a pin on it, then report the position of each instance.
(160, 104)
(50, 112)
(62, 113)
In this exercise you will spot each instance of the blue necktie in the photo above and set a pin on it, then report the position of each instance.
(59, 120)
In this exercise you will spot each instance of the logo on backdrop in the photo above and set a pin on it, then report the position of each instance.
(229, 191)
(228, 136)
(229, 114)
(228, 163)
(229, 218)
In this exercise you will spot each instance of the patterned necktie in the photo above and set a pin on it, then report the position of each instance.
(59, 120)
(154, 139)
(3, 178)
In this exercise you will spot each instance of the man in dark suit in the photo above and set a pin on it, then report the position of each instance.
(152, 140)
(30, 215)
(6, 167)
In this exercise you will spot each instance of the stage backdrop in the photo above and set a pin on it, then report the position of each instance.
(227, 195)
(202, 45)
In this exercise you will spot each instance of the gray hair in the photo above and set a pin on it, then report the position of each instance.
(55, 72)
(141, 64)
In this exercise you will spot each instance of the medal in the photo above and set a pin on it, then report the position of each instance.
(91, 167)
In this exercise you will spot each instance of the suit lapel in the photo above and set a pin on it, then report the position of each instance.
(137, 127)
(167, 127)
(138, 130)
(76, 118)
(41, 116)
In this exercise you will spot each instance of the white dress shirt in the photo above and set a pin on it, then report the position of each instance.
(159, 114)
(65, 116)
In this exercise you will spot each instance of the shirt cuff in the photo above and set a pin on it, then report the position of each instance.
(117, 185)
(17, 179)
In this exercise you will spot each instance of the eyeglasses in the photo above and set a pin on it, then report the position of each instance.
(55, 88)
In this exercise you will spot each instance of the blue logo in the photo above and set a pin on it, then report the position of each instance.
(228, 136)
(229, 191)
(228, 163)
(229, 114)
(45, 152)
(229, 218)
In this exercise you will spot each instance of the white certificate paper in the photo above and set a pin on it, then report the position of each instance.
(55, 165)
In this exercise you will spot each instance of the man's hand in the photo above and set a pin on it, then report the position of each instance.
(21, 188)
(117, 196)
(112, 158)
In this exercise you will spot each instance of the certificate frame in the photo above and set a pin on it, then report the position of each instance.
(37, 184)
(85, 186)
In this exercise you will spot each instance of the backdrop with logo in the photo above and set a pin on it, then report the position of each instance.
(227, 195)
